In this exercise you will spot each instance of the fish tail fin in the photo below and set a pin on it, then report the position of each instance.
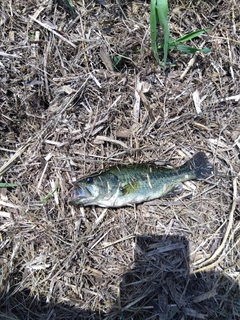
(200, 165)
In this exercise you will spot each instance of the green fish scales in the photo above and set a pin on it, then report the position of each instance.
(127, 185)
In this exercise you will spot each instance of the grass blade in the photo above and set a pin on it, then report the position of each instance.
(8, 185)
(48, 196)
(191, 50)
(162, 16)
(176, 44)
(192, 35)
(153, 29)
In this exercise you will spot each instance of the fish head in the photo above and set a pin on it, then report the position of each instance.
(94, 190)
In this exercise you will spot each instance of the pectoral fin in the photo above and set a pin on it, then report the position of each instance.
(176, 190)
(129, 188)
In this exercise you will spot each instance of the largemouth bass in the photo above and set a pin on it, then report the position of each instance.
(132, 184)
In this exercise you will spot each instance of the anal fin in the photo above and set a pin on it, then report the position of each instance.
(174, 191)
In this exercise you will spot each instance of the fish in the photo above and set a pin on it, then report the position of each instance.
(120, 186)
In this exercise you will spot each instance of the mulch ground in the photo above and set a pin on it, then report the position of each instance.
(80, 91)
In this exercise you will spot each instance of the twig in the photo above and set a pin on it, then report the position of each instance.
(49, 28)
(8, 55)
(10, 162)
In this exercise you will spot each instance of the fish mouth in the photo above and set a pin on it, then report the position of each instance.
(78, 195)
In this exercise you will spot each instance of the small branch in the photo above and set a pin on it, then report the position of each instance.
(8, 55)
(49, 28)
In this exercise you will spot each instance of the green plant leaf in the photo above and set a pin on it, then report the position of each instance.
(153, 29)
(48, 196)
(192, 35)
(175, 44)
(67, 6)
(117, 59)
(190, 50)
(8, 185)
(162, 18)
(159, 14)
(205, 50)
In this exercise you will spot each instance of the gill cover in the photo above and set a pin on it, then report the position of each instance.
(94, 189)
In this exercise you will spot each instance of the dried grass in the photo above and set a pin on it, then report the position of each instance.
(65, 113)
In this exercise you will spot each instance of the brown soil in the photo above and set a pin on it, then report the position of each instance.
(67, 111)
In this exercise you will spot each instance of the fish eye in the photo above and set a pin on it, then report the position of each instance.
(89, 180)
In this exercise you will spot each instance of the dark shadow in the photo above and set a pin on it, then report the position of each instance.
(157, 286)
(161, 287)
